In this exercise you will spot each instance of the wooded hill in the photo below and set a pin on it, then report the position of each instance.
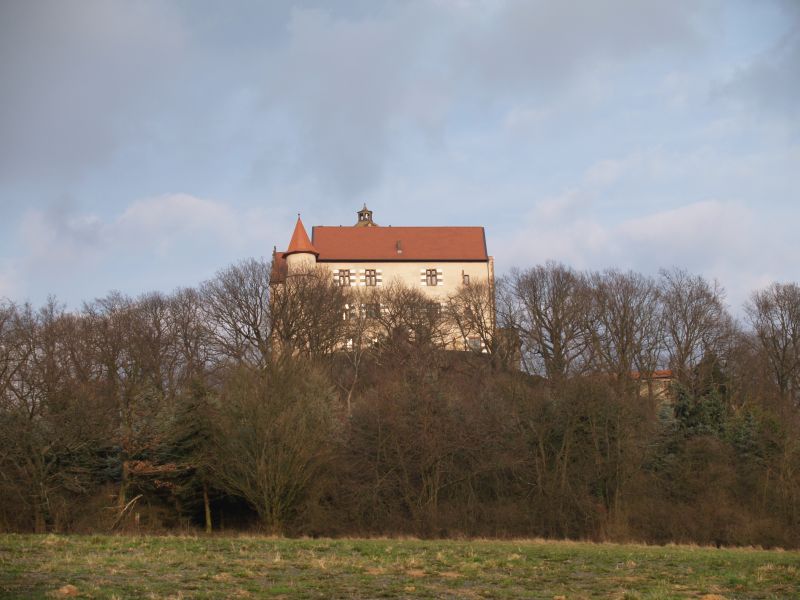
(311, 409)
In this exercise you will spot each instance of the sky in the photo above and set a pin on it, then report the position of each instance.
(146, 145)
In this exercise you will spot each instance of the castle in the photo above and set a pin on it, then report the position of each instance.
(438, 261)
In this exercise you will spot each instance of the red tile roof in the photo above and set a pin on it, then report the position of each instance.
(300, 241)
(399, 243)
(280, 269)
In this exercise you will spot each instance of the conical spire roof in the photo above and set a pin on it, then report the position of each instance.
(300, 241)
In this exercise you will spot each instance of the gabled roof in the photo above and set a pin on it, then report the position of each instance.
(399, 243)
(300, 241)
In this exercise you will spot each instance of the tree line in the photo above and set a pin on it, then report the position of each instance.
(528, 408)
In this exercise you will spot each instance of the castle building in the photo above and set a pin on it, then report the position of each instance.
(437, 260)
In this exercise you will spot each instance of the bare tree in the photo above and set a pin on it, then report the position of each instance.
(23, 468)
(696, 323)
(307, 313)
(627, 327)
(129, 344)
(236, 305)
(774, 315)
(192, 335)
(550, 307)
(359, 336)
(273, 437)
(472, 311)
(47, 424)
(407, 322)
(14, 352)
(152, 348)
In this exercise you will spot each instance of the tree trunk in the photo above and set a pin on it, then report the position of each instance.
(39, 523)
(123, 486)
(207, 507)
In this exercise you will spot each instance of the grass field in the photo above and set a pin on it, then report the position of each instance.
(252, 567)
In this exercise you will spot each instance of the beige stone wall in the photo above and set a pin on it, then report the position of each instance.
(300, 262)
(412, 274)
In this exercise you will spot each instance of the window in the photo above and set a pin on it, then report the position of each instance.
(370, 278)
(431, 277)
(344, 277)
(465, 278)
(349, 312)
(474, 343)
(372, 310)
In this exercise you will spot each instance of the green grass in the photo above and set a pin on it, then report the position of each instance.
(255, 567)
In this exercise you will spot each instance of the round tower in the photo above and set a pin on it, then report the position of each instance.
(301, 256)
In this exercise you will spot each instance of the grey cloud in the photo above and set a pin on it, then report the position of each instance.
(344, 84)
(9, 284)
(534, 45)
(771, 82)
(60, 235)
(159, 242)
(345, 88)
(84, 81)
(741, 248)
(79, 78)
(357, 88)
(447, 111)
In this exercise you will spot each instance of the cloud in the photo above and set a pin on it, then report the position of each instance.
(726, 240)
(610, 170)
(161, 225)
(540, 45)
(345, 84)
(358, 90)
(168, 221)
(79, 80)
(336, 96)
(566, 129)
(9, 286)
(58, 236)
(155, 243)
(696, 234)
(768, 82)
(525, 119)
(557, 208)
(720, 239)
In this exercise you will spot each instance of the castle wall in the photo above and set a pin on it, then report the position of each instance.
(412, 274)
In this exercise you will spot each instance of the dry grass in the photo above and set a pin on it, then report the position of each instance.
(261, 567)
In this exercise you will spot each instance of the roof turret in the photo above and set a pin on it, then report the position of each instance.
(300, 241)
(365, 218)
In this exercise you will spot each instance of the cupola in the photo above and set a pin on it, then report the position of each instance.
(365, 218)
